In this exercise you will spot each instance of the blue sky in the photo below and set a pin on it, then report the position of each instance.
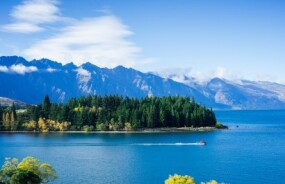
(204, 38)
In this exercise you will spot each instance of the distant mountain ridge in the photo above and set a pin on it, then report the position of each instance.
(7, 102)
(30, 81)
(243, 94)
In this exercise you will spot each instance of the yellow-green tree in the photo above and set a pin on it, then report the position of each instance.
(29, 170)
(178, 179)
(42, 125)
(210, 182)
(128, 126)
(7, 122)
(31, 125)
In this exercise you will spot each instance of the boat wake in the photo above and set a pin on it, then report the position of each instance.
(168, 144)
(115, 144)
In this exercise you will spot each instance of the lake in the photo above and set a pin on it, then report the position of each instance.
(253, 152)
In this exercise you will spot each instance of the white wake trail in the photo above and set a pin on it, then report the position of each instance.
(168, 144)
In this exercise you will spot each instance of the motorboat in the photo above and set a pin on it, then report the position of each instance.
(202, 143)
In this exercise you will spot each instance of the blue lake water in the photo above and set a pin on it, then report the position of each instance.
(253, 152)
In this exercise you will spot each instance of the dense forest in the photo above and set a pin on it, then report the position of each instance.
(108, 113)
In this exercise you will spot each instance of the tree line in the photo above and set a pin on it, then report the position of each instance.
(108, 113)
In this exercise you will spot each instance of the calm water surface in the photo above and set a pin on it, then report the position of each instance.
(253, 152)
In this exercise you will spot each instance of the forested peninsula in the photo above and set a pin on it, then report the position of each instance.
(108, 113)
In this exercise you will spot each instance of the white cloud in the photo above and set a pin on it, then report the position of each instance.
(82, 72)
(22, 27)
(18, 68)
(222, 72)
(31, 14)
(83, 77)
(51, 70)
(4, 69)
(218, 72)
(102, 41)
(21, 69)
(177, 74)
(264, 77)
(188, 75)
(36, 11)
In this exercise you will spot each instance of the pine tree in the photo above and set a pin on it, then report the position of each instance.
(46, 107)
(13, 122)
(13, 111)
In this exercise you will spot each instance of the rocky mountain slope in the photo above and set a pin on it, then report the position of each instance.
(29, 81)
(7, 102)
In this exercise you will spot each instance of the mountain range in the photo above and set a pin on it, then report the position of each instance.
(29, 81)
(7, 102)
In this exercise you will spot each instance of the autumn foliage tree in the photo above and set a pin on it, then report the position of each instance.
(178, 179)
(30, 170)
(9, 118)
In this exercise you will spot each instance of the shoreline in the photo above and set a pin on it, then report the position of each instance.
(145, 130)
